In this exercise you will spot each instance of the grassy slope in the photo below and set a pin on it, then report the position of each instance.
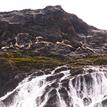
(25, 59)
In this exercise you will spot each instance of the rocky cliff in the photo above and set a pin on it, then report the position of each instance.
(35, 40)
(50, 31)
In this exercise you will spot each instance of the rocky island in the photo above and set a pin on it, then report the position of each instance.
(39, 40)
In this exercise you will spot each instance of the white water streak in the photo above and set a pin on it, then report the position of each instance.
(85, 90)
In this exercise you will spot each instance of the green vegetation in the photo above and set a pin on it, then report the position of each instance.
(90, 60)
(21, 59)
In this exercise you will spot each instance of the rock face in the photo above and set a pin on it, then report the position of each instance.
(9, 77)
(50, 31)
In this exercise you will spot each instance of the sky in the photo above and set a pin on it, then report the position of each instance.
(92, 12)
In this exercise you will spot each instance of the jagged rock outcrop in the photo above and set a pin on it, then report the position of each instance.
(62, 33)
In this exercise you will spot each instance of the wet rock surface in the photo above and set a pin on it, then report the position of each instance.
(104, 102)
(66, 90)
(87, 101)
(11, 75)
